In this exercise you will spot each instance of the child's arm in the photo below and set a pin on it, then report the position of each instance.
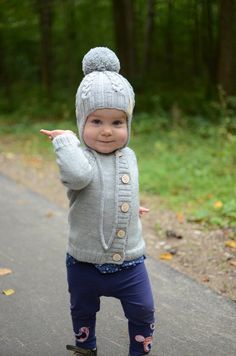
(75, 169)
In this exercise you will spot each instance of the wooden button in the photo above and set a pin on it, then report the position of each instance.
(125, 178)
(120, 233)
(116, 257)
(125, 207)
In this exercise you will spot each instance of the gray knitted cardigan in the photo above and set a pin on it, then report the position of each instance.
(104, 223)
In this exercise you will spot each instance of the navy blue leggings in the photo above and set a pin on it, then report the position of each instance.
(130, 286)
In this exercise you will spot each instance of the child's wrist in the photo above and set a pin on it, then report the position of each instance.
(70, 132)
(65, 139)
(64, 133)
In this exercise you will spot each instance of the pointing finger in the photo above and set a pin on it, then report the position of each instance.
(46, 132)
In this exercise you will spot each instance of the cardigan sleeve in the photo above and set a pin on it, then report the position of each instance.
(75, 170)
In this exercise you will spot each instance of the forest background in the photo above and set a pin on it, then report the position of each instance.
(179, 55)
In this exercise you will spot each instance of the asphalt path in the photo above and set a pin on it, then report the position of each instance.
(35, 320)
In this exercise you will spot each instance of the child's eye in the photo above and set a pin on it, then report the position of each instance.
(117, 123)
(96, 121)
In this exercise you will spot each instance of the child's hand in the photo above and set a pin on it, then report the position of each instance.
(142, 210)
(54, 133)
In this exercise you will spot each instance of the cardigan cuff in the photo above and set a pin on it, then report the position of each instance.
(65, 139)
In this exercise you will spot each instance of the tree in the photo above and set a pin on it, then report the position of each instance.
(124, 35)
(196, 45)
(4, 74)
(169, 38)
(225, 59)
(45, 14)
(70, 40)
(149, 36)
(208, 46)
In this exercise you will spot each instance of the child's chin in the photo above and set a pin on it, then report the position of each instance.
(106, 151)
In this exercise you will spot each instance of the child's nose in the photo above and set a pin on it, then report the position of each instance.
(106, 131)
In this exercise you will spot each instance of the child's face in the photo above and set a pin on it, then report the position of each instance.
(106, 130)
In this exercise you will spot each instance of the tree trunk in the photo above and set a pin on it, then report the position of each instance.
(196, 39)
(169, 40)
(124, 35)
(45, 13)
(149, 35)
(70, 41)
(225, 59)
(4, 74)
(208, 46)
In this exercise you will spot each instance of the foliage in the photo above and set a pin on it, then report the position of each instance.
(189, 164)
(192, 167)
(182, 58)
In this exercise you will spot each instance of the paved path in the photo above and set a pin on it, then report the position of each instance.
(192, 320)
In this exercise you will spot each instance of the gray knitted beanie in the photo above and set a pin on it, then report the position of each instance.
(102, 87)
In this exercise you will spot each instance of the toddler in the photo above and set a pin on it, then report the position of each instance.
(106, 251)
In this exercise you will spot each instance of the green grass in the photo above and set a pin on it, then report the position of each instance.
(191, 166)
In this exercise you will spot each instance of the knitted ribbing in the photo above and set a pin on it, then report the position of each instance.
(107, 245)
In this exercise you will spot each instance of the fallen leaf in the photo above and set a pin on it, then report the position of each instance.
(166, 256)
(230, 243)
(50, 214)
(233, 263)
(8, 292)
(5, 271)
(209, 196)
(218, 204)
(33, 161)
(180, 217)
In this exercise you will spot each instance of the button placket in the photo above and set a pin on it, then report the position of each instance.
(124, 206)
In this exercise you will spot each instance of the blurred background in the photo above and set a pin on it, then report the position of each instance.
(179, 55)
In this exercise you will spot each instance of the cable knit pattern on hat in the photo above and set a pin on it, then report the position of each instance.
(85, 92)
(103, 87)
(115, 82)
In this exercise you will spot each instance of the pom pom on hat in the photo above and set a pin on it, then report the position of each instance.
(100, 59)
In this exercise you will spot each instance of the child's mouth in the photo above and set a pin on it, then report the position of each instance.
(106, 141)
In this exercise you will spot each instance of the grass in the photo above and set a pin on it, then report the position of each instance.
(190, 166)
(193, 168)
